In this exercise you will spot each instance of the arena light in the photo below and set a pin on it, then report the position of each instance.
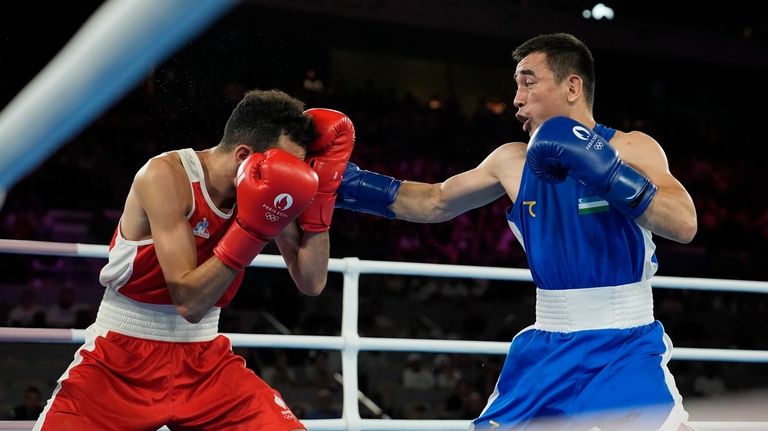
(598, 12)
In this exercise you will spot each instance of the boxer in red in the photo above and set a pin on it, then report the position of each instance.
(192, 222)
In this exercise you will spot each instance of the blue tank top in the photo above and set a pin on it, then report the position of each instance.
(573, 239)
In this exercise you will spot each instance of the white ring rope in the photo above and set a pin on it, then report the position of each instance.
(66, 249)
(123, 40)
(350, 343)
(76, 336)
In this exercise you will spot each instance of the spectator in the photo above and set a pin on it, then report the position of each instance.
(453, 405)
(30, 408)
(26, 312)
(279, 375)
(324, 407)
(313, 84)
(446, 374)
(318, 371)
(64, 312)
(708, 382)
(415, 376)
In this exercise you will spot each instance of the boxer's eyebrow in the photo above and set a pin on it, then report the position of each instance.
(525, 72)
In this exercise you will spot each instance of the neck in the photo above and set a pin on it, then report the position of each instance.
(219, 175)
(583, 116)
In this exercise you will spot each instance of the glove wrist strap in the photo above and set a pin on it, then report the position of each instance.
(629, 191)
(317, 216)
(238, 247)
(373, 195)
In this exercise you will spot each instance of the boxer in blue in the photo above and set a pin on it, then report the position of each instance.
(587, 201)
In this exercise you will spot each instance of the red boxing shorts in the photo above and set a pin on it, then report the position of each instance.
(124, 382)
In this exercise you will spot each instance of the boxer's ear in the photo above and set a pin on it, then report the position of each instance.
(242, 152)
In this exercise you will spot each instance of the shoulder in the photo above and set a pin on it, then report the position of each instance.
(507, 159)
(509, 153)
(640, 150)
(165, 169)
(512, 149)
(505, 165)
(164, 178)
(636, 143)
(634, 139)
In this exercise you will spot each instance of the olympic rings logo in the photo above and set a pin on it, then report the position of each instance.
(271, 217)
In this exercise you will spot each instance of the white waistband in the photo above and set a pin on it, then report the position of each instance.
(123, 315)
(568, 310)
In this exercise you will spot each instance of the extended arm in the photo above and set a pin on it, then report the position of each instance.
(434, 203)
(378, 194)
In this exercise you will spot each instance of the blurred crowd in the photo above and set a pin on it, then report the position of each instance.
(400, 136)
(77, 195)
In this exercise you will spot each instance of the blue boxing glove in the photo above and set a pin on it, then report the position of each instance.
(562, 147)
(366, 191)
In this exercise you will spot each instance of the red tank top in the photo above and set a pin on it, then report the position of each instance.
(133, 268)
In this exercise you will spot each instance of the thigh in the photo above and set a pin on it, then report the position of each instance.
(589, 377)
(225, 394)
(633, 386)
(114, 394)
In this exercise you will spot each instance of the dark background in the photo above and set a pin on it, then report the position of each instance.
(693, 77)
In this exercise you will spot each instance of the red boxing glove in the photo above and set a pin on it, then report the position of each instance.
(272, 189)
(328, 156)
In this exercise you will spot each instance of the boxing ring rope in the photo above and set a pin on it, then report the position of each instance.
(349, 343)
(118, 45)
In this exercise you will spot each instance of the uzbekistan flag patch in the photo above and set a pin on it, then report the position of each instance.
(592, 204)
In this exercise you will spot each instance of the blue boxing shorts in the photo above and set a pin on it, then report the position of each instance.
(596, 379)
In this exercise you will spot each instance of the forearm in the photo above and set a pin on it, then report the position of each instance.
(198, 290)
(421, 203)
(435, 203)
(382, 195)
(671, 215)
(306, 255)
